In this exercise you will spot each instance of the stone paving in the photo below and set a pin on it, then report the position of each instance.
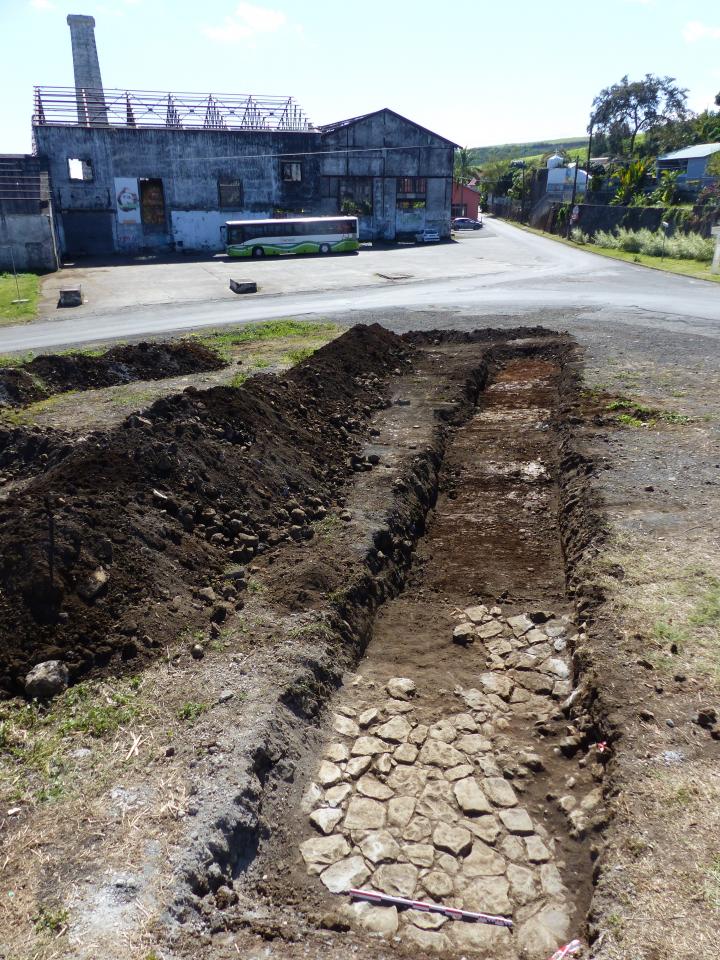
(416, 804)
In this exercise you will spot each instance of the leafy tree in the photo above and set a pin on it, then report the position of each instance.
(463, 166)
(631, 180)
(717, 100)
(638, 105)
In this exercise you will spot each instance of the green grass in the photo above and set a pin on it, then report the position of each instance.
(225, 338)
(636, 415)
(29, 284)
(685, 268)
(297, 356)
(238, 380)
(50, 920)
(35, 741)
(191, 710)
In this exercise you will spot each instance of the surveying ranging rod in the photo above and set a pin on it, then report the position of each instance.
(384, 900)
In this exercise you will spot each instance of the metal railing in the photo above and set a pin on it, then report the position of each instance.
(71, 106)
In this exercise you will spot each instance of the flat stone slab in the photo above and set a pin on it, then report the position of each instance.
(324, 851)
(470, 796)
(517, 820)
(456, 840)
(364, 814)
(345, 874)
(500, 792)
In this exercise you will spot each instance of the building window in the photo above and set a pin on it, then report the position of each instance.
(291, 172)
(230, 193)
(79, 169)
(459, 210)
(152, 202)
(411, 185)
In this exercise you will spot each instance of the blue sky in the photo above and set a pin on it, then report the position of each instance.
(474, 71)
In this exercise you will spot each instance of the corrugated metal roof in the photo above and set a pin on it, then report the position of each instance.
(689, 153)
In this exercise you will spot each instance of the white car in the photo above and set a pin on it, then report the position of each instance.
(428, 236)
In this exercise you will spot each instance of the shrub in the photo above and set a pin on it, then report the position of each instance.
(579, 236)
(628, 240)
(606, 239)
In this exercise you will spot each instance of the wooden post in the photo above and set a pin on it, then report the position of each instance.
(715, 268)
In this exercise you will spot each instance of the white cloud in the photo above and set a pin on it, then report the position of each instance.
(695, 30)
(247, 23)
(42, 4)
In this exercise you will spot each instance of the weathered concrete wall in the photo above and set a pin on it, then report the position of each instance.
(381, 147)
(29, 239)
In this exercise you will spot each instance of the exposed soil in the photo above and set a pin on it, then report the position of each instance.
(95, 550)
(49, 374)
(330, 528)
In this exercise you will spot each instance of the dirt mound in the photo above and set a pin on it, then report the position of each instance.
(26, 450)
(58, 373)
(101, 554)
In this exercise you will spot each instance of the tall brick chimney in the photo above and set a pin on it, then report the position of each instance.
(91, 108)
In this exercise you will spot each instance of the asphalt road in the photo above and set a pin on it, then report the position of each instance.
(535, 277)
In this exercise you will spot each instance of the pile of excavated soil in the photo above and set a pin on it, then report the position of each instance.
(104, 555)
(59, 373)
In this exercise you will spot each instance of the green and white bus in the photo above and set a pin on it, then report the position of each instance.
(260, 238)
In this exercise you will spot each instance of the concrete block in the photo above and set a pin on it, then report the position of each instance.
(243, 286)
(70, 297)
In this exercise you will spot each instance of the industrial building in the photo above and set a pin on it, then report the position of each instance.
(133, 171)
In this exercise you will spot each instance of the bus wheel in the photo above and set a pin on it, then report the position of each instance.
(258, 252)
(324, 248)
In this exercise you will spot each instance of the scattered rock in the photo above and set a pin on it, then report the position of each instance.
(476, 614)
(344, 726)
(329, 774)
(464, 634)
(396, 730)
(401, 688)
(326, 819)
(47, 680)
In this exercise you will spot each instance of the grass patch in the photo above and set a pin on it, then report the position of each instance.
(297, 356)
(633, 414)
(238, 380)
(51, 920)
(224, 339)
(29, 285)
(686, 268)
(36, 742)
(191, 710)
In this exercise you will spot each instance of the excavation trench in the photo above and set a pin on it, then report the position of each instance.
(447, 770)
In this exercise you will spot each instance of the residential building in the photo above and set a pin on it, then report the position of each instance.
(465, 200)
(691, 164)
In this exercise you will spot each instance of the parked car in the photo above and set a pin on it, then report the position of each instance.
(428, 236)
(466, 223)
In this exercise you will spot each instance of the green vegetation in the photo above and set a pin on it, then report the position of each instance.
(191, 710)
(36, 741)
(680, 246)
(297, 356)
(238, 380)
(528, 150)
(29, 284)
(222, 340)
(50, 920)
(633, 414)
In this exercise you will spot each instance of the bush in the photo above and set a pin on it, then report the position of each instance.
(681, 246)
(579, 236)
(628, 240)
(606, 239)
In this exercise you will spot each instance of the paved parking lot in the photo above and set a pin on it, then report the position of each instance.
(180, 279)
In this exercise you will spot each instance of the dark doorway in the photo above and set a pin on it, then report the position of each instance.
(88, 233)
(152, 204)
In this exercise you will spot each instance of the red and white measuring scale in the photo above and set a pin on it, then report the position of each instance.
(452, 913)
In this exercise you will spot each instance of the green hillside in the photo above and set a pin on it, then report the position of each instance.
(518, 151)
